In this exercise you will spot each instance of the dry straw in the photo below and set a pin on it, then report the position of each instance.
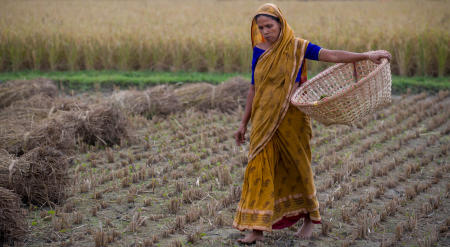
(39, 176)
(158, 100)
(102, 124)
(19, 117)
(231, 94)
(165, 99)
(30, 102)
(65, 123)
(62, 123)
(13, 226)
(22, 89)
(345, 93)
(200, 95)
(226, 96)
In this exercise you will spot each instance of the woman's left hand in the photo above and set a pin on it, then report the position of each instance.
(376, 56)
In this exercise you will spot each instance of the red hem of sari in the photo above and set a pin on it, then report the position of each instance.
(291, 220)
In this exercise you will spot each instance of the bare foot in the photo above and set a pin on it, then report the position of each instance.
(251, 238)
(305, 231)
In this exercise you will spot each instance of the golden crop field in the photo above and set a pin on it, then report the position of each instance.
(201, 35)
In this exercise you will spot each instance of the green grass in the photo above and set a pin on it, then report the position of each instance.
(418, 84)
(86, 80)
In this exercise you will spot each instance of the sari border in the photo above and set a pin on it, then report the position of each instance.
(255, 211)
(295, 61)
(279, 201)
(288, 198)
(249, 227)
(269, 212)
(303, 212)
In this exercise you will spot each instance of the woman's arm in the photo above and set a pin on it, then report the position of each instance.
(338, 56)
(240, 134)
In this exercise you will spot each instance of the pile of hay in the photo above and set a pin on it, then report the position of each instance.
(198, 95)
(164, 99)
(37, 107)
(12, 91)
(11, 136)
(69, 104)
(13, 226)
(231, 93)
(158, 100)
(20, 117)
(62, 123)
(65, 122)
(103, 124)
(203, 96)
(39, 176)
(25, 115)
(58, 131)
(40, 106)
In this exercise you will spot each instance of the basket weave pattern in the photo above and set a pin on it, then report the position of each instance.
(351, 92)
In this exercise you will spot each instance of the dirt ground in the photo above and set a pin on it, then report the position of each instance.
(384, 182)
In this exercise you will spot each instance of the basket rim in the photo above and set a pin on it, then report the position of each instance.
(329, 70)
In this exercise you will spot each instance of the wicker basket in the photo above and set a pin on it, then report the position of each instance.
(345, 93)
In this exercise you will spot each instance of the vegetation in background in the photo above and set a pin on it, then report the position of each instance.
(212, 36)
(87, 80)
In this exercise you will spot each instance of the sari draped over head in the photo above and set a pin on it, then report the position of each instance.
(275, 73)
(278, 186)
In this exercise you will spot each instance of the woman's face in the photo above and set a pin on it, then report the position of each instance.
(269, 28)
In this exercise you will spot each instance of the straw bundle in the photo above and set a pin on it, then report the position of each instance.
(231, 93)
(163, 99)
(69, 104)
(13, 226)
(158, 100)
(19, 117)
(12, 91)
(203, 96)
(11, 136)
(26, 115)
(27, 111)
(133, 101)
(58, 131)
(38, 107)
(39, 176)
(198, 95)
(103, 123)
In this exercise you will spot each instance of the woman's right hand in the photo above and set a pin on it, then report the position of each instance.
(239, 135)
(376, 56)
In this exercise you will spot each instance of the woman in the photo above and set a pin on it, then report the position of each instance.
(278, 186)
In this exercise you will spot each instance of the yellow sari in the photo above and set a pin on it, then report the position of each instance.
(278, 186)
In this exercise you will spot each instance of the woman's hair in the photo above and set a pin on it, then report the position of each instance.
(266, 15)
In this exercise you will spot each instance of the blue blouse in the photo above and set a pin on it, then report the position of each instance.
(312, 53)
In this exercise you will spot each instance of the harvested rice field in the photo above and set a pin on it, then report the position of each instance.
(160, 167)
